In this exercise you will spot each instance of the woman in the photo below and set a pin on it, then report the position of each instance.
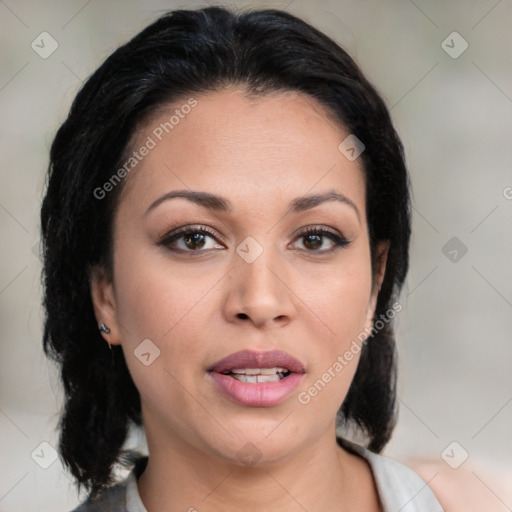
(226, 230)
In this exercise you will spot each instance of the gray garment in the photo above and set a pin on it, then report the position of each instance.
(400, 489)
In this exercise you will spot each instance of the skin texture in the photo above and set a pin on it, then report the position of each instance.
(260, 154)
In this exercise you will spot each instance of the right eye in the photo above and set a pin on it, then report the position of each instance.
(190, 239)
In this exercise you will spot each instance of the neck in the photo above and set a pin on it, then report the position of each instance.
(322, 476)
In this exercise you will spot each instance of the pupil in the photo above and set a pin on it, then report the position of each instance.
(317, 241)
(196, 238)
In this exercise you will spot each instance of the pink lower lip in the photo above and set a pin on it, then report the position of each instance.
(264, 394)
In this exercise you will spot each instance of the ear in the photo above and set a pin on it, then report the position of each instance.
(379, 271)
(104, 304)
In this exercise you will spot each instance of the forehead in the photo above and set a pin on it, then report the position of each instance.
(282, 143)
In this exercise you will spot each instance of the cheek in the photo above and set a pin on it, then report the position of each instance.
(339, 296)
(156, 297)
(160, 302)
(340, 299)
(348, 300)
(168, 308)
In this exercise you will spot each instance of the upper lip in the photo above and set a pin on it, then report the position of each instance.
(256, 359)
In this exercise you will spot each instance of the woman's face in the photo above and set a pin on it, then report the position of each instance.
(245, 278)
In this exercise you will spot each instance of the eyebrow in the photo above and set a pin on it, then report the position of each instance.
(221, 204)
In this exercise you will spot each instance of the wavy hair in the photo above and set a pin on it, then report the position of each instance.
(182, 53)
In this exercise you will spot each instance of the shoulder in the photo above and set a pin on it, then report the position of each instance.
(399, 487)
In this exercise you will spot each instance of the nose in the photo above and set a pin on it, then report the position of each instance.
(259, 292)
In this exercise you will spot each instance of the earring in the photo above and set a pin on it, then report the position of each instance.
(104, 328)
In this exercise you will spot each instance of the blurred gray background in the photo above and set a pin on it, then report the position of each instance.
(453, 109)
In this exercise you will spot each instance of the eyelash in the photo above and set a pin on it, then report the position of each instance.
(338, 240)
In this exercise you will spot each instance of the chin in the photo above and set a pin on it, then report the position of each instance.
(264, 444)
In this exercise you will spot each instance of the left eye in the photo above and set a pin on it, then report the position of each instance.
(314, 239)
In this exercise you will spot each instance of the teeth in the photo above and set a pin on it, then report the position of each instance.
(257, 375)
(255, 379)
(259, 371)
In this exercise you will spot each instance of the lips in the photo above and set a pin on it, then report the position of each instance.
(257, 379)
(249, 359)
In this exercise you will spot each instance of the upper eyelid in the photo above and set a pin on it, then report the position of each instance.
(318, 227)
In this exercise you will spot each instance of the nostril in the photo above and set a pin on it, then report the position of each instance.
(242, 315)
